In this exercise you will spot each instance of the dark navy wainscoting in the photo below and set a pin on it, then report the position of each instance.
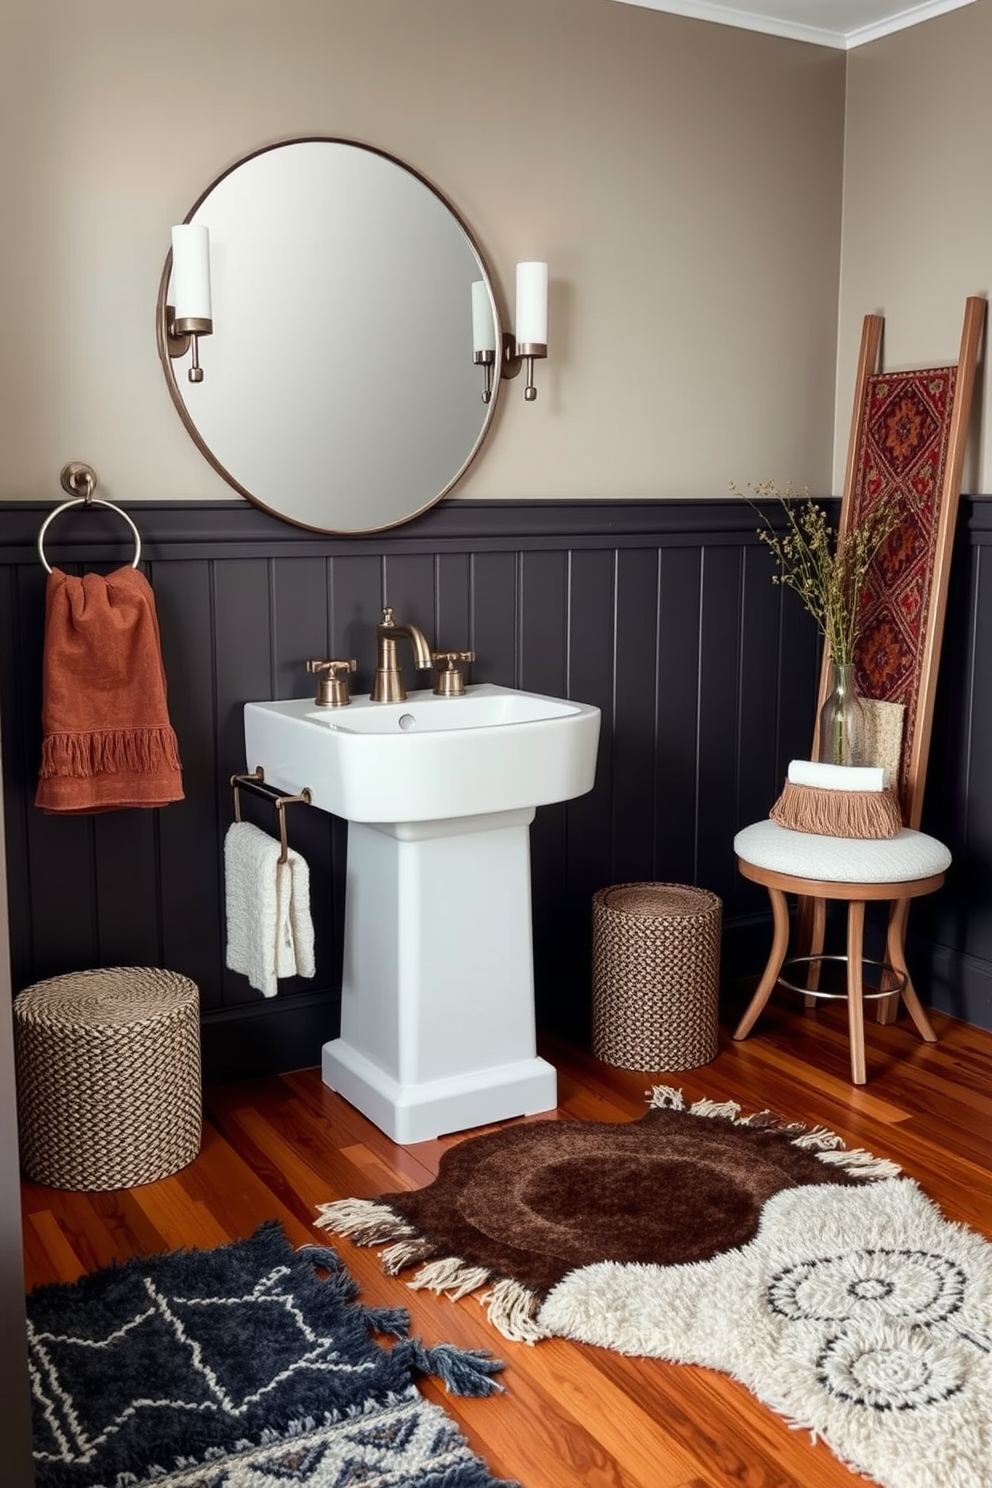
(661, 613)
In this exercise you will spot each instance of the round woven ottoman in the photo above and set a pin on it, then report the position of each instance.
(108, 1077)
(656, 975)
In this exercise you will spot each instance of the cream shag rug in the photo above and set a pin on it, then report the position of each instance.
(824, 1281)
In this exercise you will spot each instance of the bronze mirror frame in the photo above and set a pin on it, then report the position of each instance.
(461, 243)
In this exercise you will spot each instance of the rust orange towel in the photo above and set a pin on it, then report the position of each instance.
(107, 740)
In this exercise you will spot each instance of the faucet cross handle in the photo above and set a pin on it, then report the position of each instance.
(332, 689)
(449, 679)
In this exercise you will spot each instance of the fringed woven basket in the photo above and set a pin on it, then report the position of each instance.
(109, 1090)
(656, 975)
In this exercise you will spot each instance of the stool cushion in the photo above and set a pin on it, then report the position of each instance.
(900, 859)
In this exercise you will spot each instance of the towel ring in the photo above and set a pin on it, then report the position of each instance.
(79, 477)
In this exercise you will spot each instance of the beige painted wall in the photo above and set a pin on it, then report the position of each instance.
(683, 179)
(917, 234)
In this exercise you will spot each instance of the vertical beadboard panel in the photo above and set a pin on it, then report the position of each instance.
(676, 763)
(637, 644)
(494, 618)
(14, 707)
(453, 605)
(243, 670)
(719, 697)
(301, 623)
(542, 621)
(355, 608)
(61, 867)
(588, 818)
(191, 831)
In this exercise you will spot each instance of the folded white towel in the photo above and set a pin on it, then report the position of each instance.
(269, 929)
(838, 777)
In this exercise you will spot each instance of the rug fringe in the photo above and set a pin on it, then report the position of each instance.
(512, 1308)
(450, 1277)
(365, 1221)
(862, 1164)
(396, 1258)
(818, 1138)
(725, 1110)
(826, 1144)
(665, 1098)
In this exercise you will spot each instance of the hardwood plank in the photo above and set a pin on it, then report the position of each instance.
(48, 1256)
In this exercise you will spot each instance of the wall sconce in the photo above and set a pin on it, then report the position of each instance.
(190, 315)
(531, 338)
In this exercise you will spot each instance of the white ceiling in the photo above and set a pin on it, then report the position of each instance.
(836, 23)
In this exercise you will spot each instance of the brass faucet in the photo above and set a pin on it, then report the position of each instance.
(387, 684)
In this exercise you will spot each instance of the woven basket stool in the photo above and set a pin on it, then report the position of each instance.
(656, 975)
(108, 1077)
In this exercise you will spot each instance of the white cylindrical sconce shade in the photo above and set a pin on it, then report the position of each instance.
(483, 325)
(190, 285)
(532, 304)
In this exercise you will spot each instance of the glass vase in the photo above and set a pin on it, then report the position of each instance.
(842, 721)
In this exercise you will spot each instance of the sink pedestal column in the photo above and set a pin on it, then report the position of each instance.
(437, 1011)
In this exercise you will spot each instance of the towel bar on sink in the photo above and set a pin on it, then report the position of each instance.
(255, 784)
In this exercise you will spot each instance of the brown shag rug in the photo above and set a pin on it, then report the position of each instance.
(819, 1276)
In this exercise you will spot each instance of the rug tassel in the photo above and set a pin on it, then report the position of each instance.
(861, 1164)
(819, 1138)
(727, 1110)
(450, 1277)
(396, 1258)
(511, 1307)
(462, 1371)
(665, 1098)
(364, 1221)
(392, 1320)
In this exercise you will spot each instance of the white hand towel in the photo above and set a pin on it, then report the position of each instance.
(838, 777)
(269, 929)
(299, 941)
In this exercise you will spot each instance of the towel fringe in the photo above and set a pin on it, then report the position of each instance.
(109, 752)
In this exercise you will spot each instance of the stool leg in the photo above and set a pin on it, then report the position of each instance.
(895, 954)
(780, 944)
(855, 988)
(887, 1008)
(817, 934)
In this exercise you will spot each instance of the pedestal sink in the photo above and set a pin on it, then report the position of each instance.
(437, 1011)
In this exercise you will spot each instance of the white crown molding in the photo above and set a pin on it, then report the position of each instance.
(912, 15)
(898, 19)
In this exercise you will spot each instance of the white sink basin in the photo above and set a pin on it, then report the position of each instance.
(428, 758)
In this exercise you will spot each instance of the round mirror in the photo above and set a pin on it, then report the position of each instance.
(338, 385)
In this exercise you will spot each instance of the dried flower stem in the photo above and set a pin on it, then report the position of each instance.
(828, 573)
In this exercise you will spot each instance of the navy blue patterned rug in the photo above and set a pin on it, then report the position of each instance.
(240, 1366)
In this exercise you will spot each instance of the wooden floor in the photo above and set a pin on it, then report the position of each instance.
(571, 1414)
